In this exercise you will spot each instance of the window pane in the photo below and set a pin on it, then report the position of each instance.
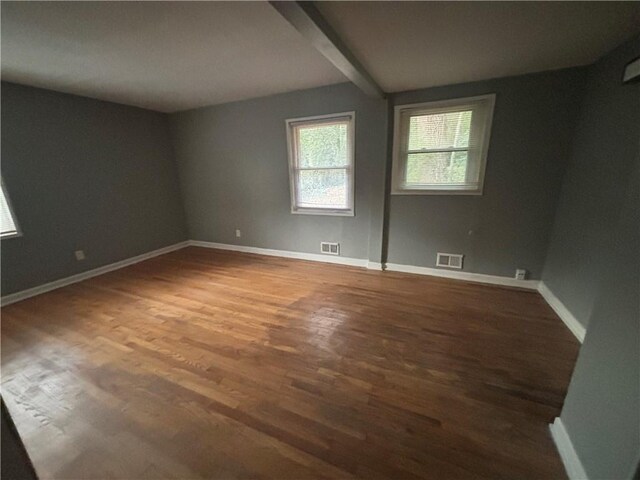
(323, 145)
(442, 167)
(442, 130)
(323, 188)
(8, 226)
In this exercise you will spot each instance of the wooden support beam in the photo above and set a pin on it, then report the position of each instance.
(306, 18)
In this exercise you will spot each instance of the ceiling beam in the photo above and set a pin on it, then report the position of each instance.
(306, 18)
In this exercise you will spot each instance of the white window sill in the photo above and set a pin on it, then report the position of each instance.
(436, 191)
(10, 235)
(323, 211)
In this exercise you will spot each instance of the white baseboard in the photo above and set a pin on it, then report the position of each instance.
(568, 454)
(563, 312)
(358, 262)
(47, 287)
(471, 277)
(314, 257)
(558, 307)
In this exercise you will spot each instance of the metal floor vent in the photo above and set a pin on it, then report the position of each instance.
(449, 260)
(330, 248)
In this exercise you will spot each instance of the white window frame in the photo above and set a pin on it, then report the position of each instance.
(294, 167)
(17, 232)
(480, 131)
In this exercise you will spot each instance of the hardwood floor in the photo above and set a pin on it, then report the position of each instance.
(210, 364)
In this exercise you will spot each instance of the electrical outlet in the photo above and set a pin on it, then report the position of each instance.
(521, 274)
(79, 255)
(238, 233)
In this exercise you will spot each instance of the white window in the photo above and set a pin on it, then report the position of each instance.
(321, 164)
(9, 225)
(441, 147)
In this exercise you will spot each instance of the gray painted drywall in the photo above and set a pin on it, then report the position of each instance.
(593, 267)
(507, 227)
(14, 461)
(605, 150)
(233, 168)
(602, 409)
(232, 162)
(83, 174)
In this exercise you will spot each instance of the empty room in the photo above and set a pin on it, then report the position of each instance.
(299, 240)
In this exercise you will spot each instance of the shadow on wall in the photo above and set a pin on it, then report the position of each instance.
(15, 461)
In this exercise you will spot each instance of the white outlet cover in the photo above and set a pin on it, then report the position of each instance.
(238, 233)
(80, 255)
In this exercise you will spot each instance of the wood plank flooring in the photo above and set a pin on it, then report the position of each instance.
(210, 364)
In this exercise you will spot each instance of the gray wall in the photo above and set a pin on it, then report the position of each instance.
(605, 150)
(14, 461)
(233, 165)
(233, 168)
(594, 268)
(233, 171)
(602, 409)
(83, 174)
(510, 223)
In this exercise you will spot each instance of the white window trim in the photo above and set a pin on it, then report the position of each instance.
(444, 189)
(293, 158)
(18, 232)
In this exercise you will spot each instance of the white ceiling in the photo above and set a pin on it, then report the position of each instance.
(171, 56)
(411, 45)
(165, 56)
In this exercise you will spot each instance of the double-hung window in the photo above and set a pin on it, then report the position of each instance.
(9, 226)
(441, 147)
(321, 164)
